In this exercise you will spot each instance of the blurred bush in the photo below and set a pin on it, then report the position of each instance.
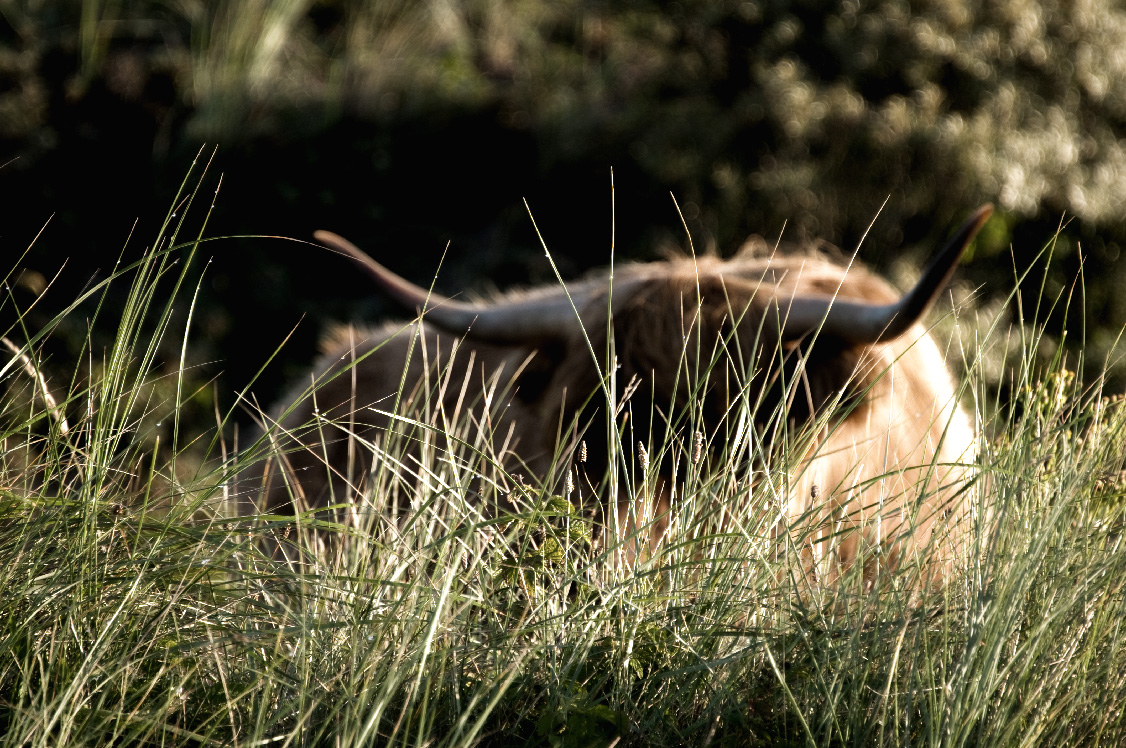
(786, 110)
(760, 117)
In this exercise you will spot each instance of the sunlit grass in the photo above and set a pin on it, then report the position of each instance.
(138, 609)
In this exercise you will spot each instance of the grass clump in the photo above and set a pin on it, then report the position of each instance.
(138, 610)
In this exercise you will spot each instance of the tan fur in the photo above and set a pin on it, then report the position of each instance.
(901, 437)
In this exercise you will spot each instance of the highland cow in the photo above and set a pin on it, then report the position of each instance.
(792, 340)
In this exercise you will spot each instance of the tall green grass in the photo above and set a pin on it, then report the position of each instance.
(137, 609)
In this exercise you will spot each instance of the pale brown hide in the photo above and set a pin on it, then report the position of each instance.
(889, 466)
(885, 466)
(324, 446)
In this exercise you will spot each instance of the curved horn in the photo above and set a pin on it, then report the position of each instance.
(858, 322)
(522, 320)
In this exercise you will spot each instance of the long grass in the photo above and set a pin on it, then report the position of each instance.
(138, 609)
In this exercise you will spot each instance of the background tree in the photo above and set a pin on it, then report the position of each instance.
(791, 119)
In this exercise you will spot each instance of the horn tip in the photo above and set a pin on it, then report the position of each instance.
(972, 226)
(981, 215)
(340, 245)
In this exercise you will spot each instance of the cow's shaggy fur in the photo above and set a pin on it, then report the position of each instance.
(887, 443)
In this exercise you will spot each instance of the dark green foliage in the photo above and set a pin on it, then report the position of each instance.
(408, 125)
